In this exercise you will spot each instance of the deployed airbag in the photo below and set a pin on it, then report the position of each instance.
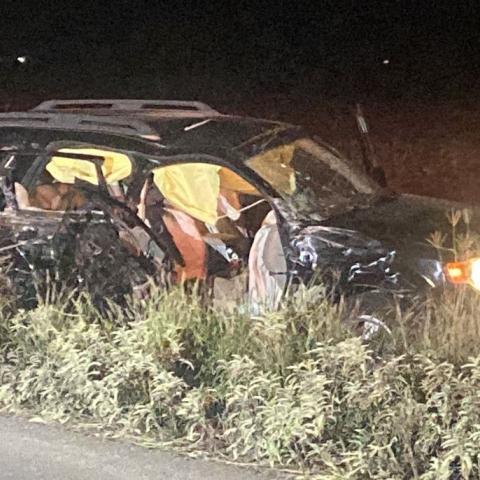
(193, 188)
(116, 166)
(274, 166)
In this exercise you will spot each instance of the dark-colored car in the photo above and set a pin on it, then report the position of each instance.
(108, 194)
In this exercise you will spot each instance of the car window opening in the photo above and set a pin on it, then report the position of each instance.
(312, 180)
(55, 188)
(223, 227)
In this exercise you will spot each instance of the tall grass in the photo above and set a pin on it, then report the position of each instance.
(293, 389)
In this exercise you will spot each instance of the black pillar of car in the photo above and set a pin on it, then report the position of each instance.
(370, 160)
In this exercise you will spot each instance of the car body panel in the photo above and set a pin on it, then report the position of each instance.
(379, 242)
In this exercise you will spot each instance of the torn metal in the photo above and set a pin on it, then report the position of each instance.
(126, 196)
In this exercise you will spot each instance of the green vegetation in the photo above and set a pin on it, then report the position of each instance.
(294, 389)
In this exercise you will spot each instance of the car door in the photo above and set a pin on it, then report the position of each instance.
(70, 220)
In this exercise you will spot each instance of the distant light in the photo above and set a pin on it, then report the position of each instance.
(386, 61)
(22, 59)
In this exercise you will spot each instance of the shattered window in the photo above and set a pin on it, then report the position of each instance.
(276, 167)
(16, 165)
(55, 189)
(312, 181)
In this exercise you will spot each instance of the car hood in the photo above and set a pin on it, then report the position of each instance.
(390, 238)
(405, 223)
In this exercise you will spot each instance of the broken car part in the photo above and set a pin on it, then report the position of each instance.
(133, 188)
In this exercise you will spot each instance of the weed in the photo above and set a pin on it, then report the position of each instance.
(293, 389)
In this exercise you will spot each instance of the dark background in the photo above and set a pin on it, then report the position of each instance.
(333, 48)
(307, 62)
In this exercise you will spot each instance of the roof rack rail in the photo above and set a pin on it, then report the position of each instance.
(167, 108)
(69, 121)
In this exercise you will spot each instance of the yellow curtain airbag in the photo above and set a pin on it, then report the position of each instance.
(229, 180)
(116, 166)
(191, 187)
(274, 166)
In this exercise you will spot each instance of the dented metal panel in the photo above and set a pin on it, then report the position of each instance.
(335, 224)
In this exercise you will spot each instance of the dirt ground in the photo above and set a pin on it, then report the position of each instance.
(427, 148)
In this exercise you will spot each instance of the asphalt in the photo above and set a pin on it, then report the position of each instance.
(36, 451)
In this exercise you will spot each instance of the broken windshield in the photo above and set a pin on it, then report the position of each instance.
(314, 181)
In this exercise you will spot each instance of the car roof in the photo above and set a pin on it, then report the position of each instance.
(132, 107)
(131, 126)
(160, 115)
(178, 126)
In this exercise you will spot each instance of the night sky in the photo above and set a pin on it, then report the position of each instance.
(383, 48)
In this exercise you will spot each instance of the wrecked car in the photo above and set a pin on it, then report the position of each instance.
(110, 195)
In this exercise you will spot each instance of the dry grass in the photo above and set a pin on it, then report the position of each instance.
(292, 389)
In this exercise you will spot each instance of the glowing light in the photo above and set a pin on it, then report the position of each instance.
(22, 59)
(386, 61)
(464, 272)
(475, 273)
(457, 272)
